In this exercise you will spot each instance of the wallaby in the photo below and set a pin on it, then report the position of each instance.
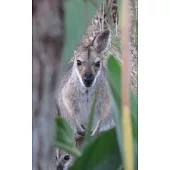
(60, 160)
(63, 160)
(75, 94)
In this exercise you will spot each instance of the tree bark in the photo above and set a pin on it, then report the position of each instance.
(48, 37)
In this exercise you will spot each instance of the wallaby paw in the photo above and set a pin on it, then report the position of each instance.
(81, 132)
(78, 137)
(83, 127)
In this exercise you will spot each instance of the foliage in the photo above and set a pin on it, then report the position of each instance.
(65, 137)
(114, 77)
(106, 150)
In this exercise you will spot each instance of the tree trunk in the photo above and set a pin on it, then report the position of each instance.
(48, 36)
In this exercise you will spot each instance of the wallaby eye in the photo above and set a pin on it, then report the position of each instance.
(97, 64)
(66, 158)
(79, 63)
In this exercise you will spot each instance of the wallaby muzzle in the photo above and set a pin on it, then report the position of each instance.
(60, 167)
(88, 79)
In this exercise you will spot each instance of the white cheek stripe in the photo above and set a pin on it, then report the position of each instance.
(81, 81)
(79, 76)
(98, 73)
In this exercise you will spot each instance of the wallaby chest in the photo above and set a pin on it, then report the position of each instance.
(82, 101)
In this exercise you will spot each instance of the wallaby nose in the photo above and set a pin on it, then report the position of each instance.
(88, 79)
(60, 167)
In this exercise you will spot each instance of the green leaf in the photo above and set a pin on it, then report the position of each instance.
(65, 137)
(114, 78)
(101, 153)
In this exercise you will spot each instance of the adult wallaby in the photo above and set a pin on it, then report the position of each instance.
(75, 94)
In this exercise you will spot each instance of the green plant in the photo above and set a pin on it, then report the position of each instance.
(106, 150)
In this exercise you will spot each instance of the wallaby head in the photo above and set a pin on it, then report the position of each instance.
(63, 160)
(89, 62)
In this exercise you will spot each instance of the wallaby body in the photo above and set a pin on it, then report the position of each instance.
(76, 92)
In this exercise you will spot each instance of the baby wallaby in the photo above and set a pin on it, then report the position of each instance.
(60, 160)
(76, 92)
(63, 160)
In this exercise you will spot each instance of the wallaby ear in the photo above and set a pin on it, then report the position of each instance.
(101, 41)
